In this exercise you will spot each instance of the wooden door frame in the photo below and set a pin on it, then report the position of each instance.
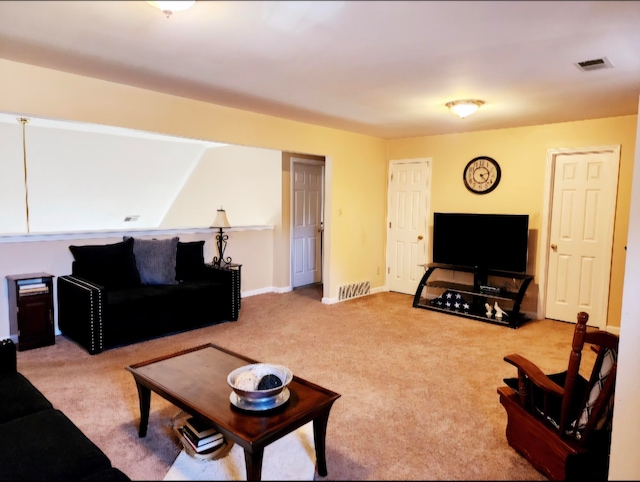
(429, 163)
(545, 226)
(299, 160)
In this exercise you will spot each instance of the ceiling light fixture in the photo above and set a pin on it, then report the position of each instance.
(221, 222)
(464, 108)
(169, 7)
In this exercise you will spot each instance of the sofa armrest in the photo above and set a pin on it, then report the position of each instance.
(8, 358)
(230, 279)
(81, 312)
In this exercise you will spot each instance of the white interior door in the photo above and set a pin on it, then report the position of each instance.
(307, 215)
(581, 234)
(407, 224)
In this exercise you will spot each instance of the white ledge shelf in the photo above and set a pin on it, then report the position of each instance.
(34, 237)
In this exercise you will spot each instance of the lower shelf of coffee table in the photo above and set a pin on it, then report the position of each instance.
(214, 454)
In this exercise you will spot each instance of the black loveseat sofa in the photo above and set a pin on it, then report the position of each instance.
(139, 289)
(38, 441)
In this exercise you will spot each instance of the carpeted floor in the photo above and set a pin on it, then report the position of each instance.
(418, 388)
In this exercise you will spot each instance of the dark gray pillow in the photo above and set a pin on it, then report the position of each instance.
(156, 260)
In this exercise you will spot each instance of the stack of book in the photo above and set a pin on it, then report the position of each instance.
(200, 436)
(34, 286)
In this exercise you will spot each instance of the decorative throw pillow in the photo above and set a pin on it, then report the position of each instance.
(156, 260)
(190, 260)
(109, 265)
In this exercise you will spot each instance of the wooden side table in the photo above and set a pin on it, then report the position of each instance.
(31, 309)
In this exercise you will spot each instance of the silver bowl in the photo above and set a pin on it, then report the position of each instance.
(261, 369)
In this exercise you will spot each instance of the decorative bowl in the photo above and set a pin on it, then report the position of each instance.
(259, 370)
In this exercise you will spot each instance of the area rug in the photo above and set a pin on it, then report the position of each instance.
(290, 458)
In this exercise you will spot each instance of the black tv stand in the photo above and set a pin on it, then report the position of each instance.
(474, 297)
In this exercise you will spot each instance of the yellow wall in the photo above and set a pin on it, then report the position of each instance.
(522, 155)
(356, 164)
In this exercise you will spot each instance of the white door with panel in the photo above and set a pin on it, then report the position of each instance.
(581, 234)
(307, 215)
(407, 224)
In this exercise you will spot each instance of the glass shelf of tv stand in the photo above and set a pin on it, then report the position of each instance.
(468, 289)
(480, 278)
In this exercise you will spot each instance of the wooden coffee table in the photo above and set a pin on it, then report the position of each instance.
(195, 380)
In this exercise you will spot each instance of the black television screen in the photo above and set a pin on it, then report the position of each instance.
(482, 241)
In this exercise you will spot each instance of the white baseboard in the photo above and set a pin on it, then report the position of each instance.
(330, 301)
(268, 289)
(613, 329)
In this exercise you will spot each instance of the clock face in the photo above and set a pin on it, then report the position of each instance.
(481, 175)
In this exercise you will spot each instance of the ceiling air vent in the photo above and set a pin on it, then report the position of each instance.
(595, 64)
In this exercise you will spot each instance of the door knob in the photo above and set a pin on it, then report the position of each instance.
(420, 237)
(554, 247)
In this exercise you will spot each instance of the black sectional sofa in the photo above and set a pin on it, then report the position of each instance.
(38, 441)
(140, 289)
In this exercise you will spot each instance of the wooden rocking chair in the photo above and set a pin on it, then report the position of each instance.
(561, 423)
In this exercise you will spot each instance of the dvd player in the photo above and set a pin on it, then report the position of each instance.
(490, 289)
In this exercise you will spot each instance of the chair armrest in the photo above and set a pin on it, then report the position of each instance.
(8, 358)
(81, 311)
(537, 377)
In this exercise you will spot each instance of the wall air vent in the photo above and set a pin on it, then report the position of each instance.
(354, 290)
(595, 64)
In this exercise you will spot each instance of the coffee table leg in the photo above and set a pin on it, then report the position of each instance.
(253, 463)
(145, 404)
(319, 438)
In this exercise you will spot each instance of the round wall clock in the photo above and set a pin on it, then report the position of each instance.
(481, 175)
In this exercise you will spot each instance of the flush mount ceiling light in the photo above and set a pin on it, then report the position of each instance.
(169, 7)
(464, 108)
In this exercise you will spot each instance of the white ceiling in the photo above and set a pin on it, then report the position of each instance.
(384, 68)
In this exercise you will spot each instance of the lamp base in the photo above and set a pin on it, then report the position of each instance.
(221, 240)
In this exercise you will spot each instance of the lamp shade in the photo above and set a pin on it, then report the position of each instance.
(221, 220)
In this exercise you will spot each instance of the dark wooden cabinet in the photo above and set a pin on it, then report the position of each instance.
(31, 309)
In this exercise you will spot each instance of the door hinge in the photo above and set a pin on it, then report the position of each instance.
(389, 224)
(392, 177)
(388, 270)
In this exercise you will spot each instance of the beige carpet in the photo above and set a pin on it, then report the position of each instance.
(290, 458)
(418, 388)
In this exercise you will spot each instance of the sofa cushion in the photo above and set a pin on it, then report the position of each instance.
(190, 261)
(18, 397)
(46, 445)
(156, 260)
(160, 295)
(109, 265)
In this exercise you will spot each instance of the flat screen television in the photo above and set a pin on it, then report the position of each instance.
(481, 241)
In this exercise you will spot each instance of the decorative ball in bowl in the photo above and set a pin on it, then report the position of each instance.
(259, 381)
